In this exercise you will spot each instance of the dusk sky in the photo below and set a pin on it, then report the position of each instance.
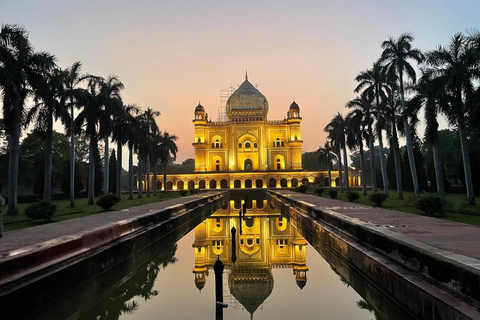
(171, 55)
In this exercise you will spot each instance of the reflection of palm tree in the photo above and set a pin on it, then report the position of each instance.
(141, 284)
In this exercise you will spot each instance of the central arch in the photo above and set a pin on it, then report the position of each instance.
(248, 183)
(248, 165)
(259, 183)
(272, 183)
(213, 184)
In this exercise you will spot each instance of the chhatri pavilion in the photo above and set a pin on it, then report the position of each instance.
(248, 150)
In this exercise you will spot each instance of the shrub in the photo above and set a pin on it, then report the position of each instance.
(352, 196)
(318, 191)
(332, 193)
(41, 210)
(378, 198)
(183, 193)
(301, 188)
(430, 205)
(106, 202)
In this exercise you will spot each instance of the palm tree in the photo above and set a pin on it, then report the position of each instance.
(121, 135)
(327, 155)
(19, 66)
(363, 104)
(93, 116)
(356, 119)
(133, 135)
(456, 67)
(111, 101)
(149, 130)
(74, 96)
(168, 150)
(373, 83)
(391, 117)
(429, 96)
(49, 107)
(336, 132)
(395, 55)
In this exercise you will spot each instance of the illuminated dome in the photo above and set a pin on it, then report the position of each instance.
(294, 106)
(247, 103)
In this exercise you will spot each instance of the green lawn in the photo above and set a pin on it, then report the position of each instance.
(455, 211)
(81, 209)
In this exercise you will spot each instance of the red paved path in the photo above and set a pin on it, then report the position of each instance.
(28, 239)
(454, 237)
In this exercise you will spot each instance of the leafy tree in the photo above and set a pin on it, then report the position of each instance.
(78, 184)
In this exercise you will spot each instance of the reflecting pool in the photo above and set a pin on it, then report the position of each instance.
(271, 272)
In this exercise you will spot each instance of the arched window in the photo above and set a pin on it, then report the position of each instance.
(217, 165)
(279, 164)
(276, 143)
(239, 145)
(248, 145)
(217, 143)
(255, 145)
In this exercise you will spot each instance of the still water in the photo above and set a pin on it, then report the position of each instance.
(271, 272)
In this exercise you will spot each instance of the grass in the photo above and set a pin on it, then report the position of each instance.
(455, 209)
(81, 209)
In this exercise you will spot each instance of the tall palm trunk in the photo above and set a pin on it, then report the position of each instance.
(119, 168)
(140, 177)
(47, 182)
(398, 161)
(438, 165)
(345, 159)
(340, 169)
(164, 177)
(13, 164)
(373, 169)
(147, 174)
(383, 163)
(106, 166)
(329, 172)
(130, 172)
(72, 159)
(408, 138)
(362, 170)
(466, 159)
(91, 170)
(155, 178)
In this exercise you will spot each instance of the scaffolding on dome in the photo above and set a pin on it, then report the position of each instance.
(222, 109)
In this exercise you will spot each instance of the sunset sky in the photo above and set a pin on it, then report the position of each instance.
(171, 55)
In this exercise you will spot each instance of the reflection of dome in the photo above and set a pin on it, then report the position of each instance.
(247, 99)
(251, 286)
(200, 285)
(300, 283)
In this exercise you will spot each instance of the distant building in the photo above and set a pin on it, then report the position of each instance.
(247, 150)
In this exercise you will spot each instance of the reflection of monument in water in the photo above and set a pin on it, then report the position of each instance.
(266, 242)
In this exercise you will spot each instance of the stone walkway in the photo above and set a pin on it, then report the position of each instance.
(20, 242)
(455, 237)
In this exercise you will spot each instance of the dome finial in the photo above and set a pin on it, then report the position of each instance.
(246, 75)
